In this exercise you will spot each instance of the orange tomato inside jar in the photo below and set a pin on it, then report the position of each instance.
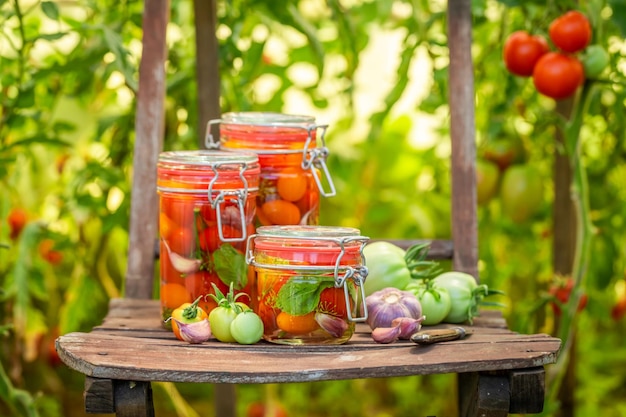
(206, 212)
(293, 167)
(309, 282)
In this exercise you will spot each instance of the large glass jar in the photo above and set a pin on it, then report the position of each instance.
(309, 282)
(207, 205)
(293, 167)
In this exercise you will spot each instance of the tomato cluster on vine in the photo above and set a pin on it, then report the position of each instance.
(556, 73)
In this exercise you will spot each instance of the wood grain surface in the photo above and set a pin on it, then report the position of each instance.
(132, 344)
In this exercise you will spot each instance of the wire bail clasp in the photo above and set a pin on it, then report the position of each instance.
(316, 158)
(209, 140)
(358, 274)
(241, 195)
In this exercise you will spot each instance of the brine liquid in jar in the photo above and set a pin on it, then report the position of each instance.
(206, 211)
(293, 167)
(309, 282)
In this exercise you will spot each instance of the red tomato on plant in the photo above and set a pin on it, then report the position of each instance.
(17, 220)
(557, 75)
(561, 291)
(570, 32)
(48, 253)
(619, 309)
(522, 51)
(259, 409)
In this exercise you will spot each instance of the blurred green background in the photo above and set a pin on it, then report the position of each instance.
(376, 72)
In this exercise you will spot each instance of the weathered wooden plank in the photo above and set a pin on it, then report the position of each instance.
(148, 143)
(462, 132)
(119, 357)
(207, 65)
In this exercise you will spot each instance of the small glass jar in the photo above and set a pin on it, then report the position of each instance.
(206, 211)
(309, 282)
(291, 162)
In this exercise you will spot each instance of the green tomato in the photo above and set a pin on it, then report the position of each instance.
(386, 267)
(220, 319)
(464, 296)
(435, 301)
(521, 192)
(595, 60)
(247, 328)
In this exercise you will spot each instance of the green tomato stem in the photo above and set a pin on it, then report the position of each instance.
(191, 312)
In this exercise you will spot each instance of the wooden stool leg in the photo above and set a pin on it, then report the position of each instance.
(133, 399)
(124, 398)
(528, 390)
(483, 395)
(99, 396)
(225, 400)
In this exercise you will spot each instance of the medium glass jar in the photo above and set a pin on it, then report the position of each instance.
(206, 211)
(309, 282)
(293, 167)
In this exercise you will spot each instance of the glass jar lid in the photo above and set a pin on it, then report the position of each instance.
(308, 231)
(182, 159)
(186, 171)
(267, 119)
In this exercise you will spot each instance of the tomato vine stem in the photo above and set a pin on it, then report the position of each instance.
(584, 232)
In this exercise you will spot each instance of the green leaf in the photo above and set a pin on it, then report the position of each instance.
(21, 275)
(303, 25)
(20, 402)
(230, 266)
(619, 14)
(52, 36)
(50, 9)
(116, 45)
(300, 295)
(83, 294)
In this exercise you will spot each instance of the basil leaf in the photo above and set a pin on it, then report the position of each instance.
(230, 266)
(300, 295)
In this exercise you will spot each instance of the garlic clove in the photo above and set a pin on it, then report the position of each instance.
(180, 263)
(408, 326)
(196, 332)
(334, 325)
(386, 334)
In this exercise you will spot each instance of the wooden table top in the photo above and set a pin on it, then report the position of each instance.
(131, 344)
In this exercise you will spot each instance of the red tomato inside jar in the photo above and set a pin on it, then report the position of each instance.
(206, 212)
(293, 167)
(309, 282)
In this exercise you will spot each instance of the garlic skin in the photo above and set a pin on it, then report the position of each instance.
(408, 326)
(196, 332)
(335, 326)
(386, 334)
(402, 328)
(390, 303)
